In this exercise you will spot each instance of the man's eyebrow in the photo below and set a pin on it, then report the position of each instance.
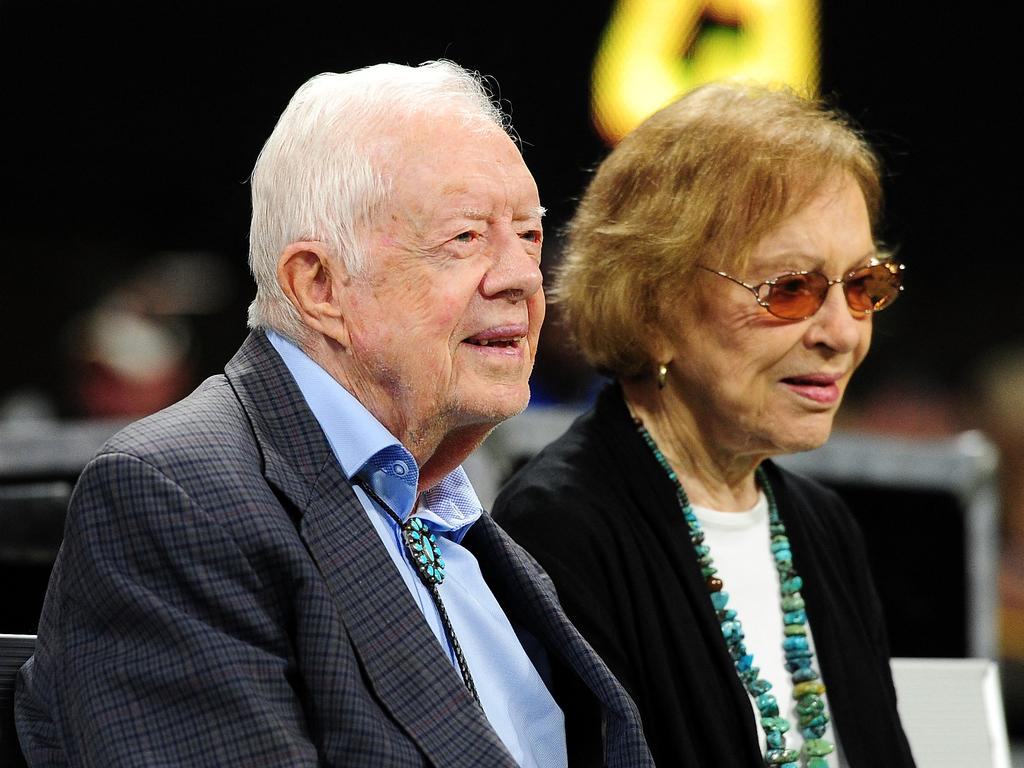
(534, 212)
(478, 214)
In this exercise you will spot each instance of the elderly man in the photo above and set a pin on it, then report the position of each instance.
(289, 567)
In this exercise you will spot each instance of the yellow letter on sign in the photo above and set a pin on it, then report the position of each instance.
(654, 50)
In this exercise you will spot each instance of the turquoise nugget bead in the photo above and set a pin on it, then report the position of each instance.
(774, 739)
(794, 617)
(731, 629)
(809, 709)
(818, 721)
(768, 705)
(795, 642)
(750, 675)
(818, 747)
(781, 756)
(789, 586)
(792, 603)
(813, 731)
(780, 724)
(804, 675)
(719, 600)
(817, 762)
(792, 665)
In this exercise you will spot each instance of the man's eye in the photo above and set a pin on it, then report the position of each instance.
(532, 235)
(466, 237)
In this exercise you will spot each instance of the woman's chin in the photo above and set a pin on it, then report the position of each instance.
(811, 434)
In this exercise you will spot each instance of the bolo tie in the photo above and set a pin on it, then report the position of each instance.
(421, 546)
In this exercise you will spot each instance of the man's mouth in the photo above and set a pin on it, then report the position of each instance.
(501, 337)
(503, 341)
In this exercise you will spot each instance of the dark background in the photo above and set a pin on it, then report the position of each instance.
(129, 130)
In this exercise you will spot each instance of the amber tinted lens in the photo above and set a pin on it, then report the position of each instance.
(794, 297)
(873, 288)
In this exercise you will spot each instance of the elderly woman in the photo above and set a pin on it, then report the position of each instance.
(723, 269)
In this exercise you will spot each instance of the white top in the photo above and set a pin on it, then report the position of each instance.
(740, 548)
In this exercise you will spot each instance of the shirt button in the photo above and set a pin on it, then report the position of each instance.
(400, 468)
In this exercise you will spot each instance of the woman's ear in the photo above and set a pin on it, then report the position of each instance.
(657, 344)
(312, 280)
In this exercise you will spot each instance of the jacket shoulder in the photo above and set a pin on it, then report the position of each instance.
(203, 444)
(211, 415)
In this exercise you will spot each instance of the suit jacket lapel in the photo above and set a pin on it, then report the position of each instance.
(405, 665)
(528, 597)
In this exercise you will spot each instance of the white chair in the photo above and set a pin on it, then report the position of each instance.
(14, 651)
(952, 712)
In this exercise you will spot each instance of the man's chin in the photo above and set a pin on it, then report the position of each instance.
(502, 402)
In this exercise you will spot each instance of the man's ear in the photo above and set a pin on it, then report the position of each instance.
(311, 280)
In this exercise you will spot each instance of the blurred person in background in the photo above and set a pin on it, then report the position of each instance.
(290, 567)
(723, 268)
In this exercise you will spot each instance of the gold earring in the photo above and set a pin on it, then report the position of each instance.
(662, 375)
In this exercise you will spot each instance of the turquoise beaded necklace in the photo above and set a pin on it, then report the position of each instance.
(807, 685)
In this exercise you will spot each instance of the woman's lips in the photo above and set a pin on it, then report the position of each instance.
(819, 388)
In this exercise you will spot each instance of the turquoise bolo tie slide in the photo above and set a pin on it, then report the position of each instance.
(423, 551)
(422, 546)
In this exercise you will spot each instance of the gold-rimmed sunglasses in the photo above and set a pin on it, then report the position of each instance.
(798, 295)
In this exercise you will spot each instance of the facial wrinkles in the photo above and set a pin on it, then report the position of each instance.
(729, 330)
(431, 287)
(733, 358)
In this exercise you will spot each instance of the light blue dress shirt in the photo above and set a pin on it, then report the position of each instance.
(512, 693)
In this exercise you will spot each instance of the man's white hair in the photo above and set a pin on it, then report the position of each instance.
(319, 176)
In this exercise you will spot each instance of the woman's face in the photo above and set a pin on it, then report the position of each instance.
(750, 383)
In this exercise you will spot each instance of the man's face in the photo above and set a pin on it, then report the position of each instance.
(444, 319)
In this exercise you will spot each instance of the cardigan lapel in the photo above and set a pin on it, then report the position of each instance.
(404, 664)
(658, 506)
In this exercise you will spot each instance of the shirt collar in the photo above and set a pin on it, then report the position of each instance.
(365, 447)
(451, 506)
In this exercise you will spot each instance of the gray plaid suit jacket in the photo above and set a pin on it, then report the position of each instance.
(221, 599)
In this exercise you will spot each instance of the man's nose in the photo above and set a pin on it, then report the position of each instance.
(515, 273)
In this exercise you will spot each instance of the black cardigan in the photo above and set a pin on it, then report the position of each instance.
(602, 518)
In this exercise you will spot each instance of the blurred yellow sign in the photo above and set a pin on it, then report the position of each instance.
(654, 50)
